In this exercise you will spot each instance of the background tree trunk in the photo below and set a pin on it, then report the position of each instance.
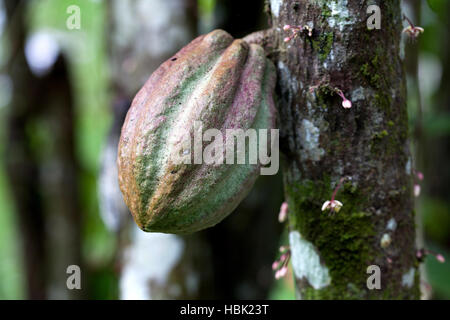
(42, 166)
(323, 142)
(412, 9)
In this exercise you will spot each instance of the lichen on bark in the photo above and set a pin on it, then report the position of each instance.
(367, 143)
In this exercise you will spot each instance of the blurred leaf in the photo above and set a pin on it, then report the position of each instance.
(436, 219)
(206, 6)
(103, 284)
(439, 7)
(437, 124)
(282, 292)
(283, 288)
(436, 5)
(439, 273)
(11, 272)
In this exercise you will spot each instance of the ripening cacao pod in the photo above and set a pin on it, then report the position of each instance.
(225, 84)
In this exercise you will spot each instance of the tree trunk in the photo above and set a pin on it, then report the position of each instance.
(367, 145)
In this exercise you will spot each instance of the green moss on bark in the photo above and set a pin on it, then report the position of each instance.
(343, 239)
(323, 45)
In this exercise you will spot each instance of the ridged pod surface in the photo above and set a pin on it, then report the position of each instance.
(225, 84)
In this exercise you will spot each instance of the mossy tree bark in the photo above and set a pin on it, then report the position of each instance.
(368, 144)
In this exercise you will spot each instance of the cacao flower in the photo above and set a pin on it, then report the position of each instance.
(225, 84)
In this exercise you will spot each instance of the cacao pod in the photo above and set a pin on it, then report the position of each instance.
(225, 84)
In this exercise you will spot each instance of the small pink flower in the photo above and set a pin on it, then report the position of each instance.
(419, 175)
(347, 104)
(420, 254)
(440, 258)
(333, 205)
(275, 265)
(296, 31)
(309, 30)
(416, 190)
(283, 212)
(280, 265)
(278, 275)
(281, 273)
(412, 31)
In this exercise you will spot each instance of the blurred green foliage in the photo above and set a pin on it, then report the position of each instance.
(434, 211)
(436, 219)
(206, 7)
(11, 272)
(438, 274)
(438, 6)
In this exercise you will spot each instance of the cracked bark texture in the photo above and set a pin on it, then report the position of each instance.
(323, 142)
